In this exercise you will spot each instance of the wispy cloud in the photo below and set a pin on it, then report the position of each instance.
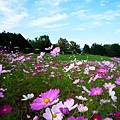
(11, 12)
(47, 20)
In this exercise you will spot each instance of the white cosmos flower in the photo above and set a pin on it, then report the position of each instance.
(112, 94)
(27, 97)
(81, 98)
(91, 68)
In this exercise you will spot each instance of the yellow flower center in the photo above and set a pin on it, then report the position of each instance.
(82, 110)
(5, 110)
(109, 86)
(96, 93)
(46, 100)
(54, 115)
(95, 119)
(119, 83)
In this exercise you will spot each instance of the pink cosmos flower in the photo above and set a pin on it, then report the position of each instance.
(82, 108)
(96, 91)
(78, 118)
(109, 86)
(67, 106)
(40, 57)
(5, 109)
(1, 95)
(46, 99)
(118, 80)
(55, 51)
(103, 70)
(109, 77)
(36, 118)
(53, 113)
(49, 48)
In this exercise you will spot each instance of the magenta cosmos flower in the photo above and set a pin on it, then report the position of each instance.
(96, 91)
(5, 109)
(78, 118)
(96, 117)
(102, 70)
(46, 99)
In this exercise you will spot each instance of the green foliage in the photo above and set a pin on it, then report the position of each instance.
(86, 49)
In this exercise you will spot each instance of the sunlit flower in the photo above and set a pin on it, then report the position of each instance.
(96, 91)
(27, 97)
(91, 68)
(109, 86)
(79, 62)
(112, 94)
(70, 67)
(53, 113)
(81, 98)
(67, 106)
(85, 89)
(46, 99)
(55, 51)
(82, 108)
(5, 109)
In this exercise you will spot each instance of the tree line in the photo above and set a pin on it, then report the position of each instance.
(71, 47)
(38, 44)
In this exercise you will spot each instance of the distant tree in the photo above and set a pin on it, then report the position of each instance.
(41, 43)
(107, 49)
(74, 47)
(115, 50)
(97, 49)
(63, 44)
(86, 49)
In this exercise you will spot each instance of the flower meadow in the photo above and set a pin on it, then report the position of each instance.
(43, 87)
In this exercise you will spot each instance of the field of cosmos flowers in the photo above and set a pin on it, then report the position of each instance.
(47, 88)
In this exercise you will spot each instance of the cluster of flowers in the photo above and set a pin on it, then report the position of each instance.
(60, 109)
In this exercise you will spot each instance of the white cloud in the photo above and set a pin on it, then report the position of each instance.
(10, 14)
(47, 20)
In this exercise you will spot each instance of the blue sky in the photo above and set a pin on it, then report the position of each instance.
(83, 21)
